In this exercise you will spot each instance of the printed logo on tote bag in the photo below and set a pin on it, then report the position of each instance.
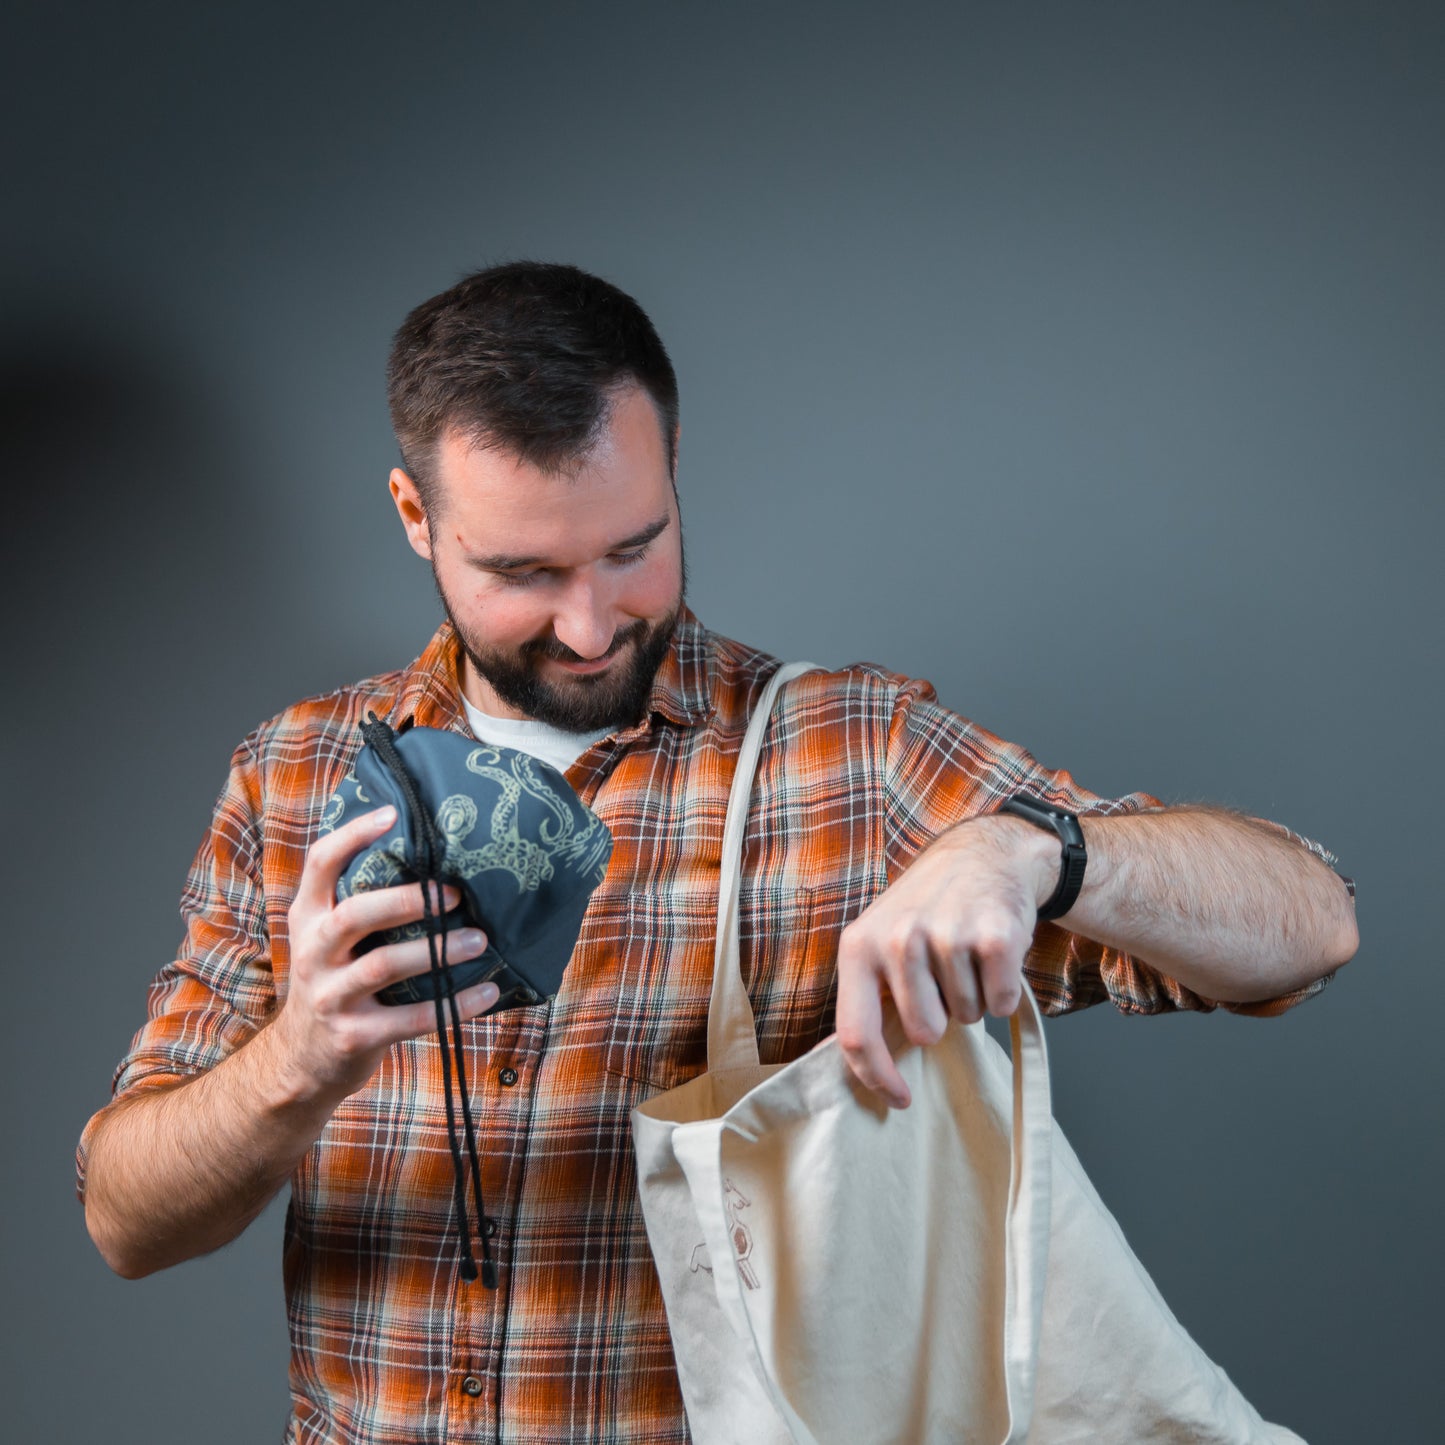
(742, 1238)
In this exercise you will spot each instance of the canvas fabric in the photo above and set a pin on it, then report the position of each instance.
(834, 1270)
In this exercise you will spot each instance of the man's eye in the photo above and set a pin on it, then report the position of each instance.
(626, 559)
(518, 579)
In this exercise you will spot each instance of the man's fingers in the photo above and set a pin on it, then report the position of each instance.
(1000, 963)
(331, 852)
(475, 1001)
(909, 970)
(860, 1029)
(363, 914)
(380, 967)
(959, 983)
(412, 1020)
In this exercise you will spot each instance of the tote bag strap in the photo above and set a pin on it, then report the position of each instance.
(732, 1037)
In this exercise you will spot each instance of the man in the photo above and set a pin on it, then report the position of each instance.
(536, 411)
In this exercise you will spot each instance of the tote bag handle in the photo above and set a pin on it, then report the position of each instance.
(732, 1036)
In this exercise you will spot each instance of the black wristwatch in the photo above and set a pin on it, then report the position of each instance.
(1065, 827)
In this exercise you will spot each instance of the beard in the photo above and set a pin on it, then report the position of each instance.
(613, 699)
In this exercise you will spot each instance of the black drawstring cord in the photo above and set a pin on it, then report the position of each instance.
(428, 868)
(489, 1268)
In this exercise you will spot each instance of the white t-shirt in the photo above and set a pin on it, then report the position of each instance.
(552, 745)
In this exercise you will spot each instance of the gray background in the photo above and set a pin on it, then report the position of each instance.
(1085, 359)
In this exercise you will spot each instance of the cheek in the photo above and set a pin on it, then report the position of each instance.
(506, 619)
(489, 615)
(654, 590)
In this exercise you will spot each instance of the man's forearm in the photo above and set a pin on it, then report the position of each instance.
(177, 1172)
(1229, 906)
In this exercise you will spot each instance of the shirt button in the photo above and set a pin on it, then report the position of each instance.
(491, 1227)
(508, 1076)
(472, 1386)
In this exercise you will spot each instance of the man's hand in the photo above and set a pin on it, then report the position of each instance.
(332, 1032)
(946, 940)
(178, 1171)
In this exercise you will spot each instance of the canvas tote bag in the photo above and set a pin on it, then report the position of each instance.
(838, 1273)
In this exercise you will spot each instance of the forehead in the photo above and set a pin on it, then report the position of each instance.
(492, 501)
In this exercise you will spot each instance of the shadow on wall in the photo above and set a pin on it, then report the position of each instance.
(129, 576)
(117, 478)
(139, 588)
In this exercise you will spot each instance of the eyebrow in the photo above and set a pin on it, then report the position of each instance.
(509, 562)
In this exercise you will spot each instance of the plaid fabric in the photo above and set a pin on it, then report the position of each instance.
(860, 770)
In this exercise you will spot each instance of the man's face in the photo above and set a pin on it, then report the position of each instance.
(564, 590)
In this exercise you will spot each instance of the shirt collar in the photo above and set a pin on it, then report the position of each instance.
(682, 690)
(430, 691)
(431, 688)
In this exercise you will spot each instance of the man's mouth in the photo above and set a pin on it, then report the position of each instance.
(586, 669)
(589, 666)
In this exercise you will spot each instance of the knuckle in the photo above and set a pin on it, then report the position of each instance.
(922, 1031)
(993, 938)
(1000, 970)
(951, 940)
(375, 969)
(348, 1036)
(1000, 951)
(326, 933)
(402, 904)
(1004, 987)
(903, 936)
(857, 952)
(1006, 1004)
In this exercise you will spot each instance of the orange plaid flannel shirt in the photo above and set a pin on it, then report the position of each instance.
(860, 770)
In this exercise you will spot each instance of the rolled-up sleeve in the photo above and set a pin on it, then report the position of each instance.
(943, 769)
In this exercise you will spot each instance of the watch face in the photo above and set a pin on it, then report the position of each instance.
(1041, 813)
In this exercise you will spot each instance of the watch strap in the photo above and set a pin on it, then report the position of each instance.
(1064, 825)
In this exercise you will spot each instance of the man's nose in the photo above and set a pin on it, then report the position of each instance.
(586, 620)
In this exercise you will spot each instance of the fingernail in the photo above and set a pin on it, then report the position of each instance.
(472, 938)
(384, 816)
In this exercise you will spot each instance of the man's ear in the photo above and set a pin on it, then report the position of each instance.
(411, 511)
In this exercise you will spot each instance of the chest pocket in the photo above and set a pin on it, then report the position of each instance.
(789, 944)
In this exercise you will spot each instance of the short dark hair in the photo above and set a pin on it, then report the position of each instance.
(524, 357)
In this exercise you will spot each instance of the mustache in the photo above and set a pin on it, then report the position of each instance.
(558, 651)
